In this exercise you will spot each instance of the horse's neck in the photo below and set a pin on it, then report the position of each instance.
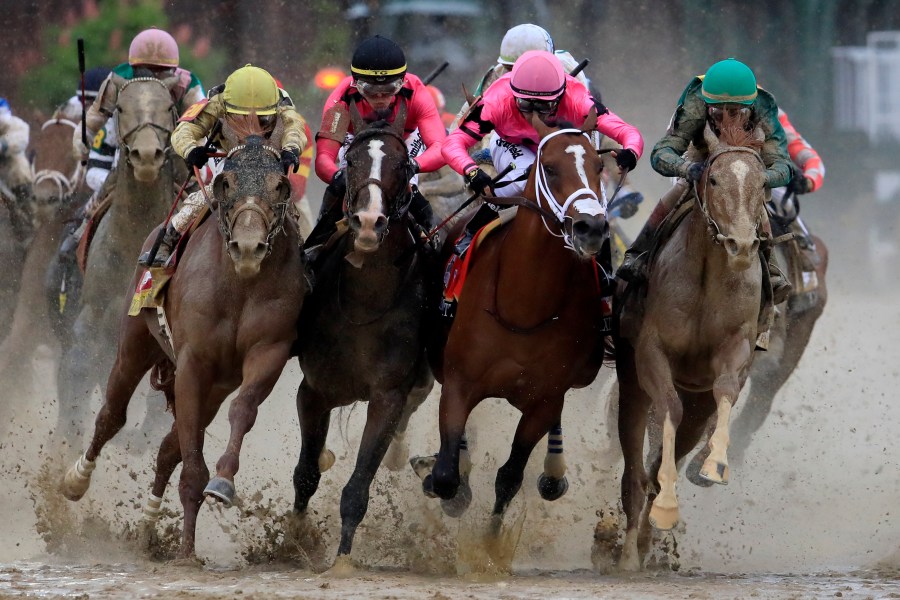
(141, 205)
(380, 275)
(707, 259)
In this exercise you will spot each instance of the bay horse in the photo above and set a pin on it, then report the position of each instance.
(228, 321)
(690, 353)
(57, 194)
(528, 326)
(143, 193)
(360, 330)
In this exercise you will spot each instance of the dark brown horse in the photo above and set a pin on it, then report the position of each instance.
(690, 353)
(228, 321)
(361, 326)
(528, 326)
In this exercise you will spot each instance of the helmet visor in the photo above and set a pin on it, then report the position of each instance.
(386, 88)
(542, 107)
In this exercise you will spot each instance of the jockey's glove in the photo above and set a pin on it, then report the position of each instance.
(694, 172)
(478, 181)
(80, 150)
(198, 157)
(413, 167)
(626, 159)
(290, 160)
(801, 185)
(338, 185)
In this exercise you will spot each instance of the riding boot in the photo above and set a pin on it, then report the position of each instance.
(69, 246)
(809, 256)
(634, 263)
(166, 247)
(781, 287)
(485, 215)
(420, 209)
(331, 211)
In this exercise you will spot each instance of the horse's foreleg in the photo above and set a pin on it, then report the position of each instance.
(314, 417)
(732, 366)
(454, 410)
(536, 420)
(137, 353)
(398, 452)
(260, 372)
(381, 422)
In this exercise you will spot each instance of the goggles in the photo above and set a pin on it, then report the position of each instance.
(542, 107)
(371, 89)
(741, 113)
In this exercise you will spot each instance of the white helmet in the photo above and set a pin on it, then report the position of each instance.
(520, 39)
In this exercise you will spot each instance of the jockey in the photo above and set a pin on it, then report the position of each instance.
(539, 85)
(808, 177)
(153, 53)
(728, 86)
(15, 173)
(378, 88)
(247, 91)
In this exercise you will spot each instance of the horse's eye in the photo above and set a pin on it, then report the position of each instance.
(549, 171)
(712, 181)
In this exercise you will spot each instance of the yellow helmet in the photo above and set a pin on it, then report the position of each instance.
(251, 89)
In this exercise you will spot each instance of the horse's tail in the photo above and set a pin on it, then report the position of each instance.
(162, 378)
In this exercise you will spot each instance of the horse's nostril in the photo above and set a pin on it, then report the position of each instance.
(580, 228)
(159, 155)
(355, 222)
(731, 246)
(381, 224)
(755, 247)
(261, 249)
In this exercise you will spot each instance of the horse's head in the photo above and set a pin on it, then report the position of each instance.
(56, 172)
(377, 183)
(252, 194)
(732, 191)
(145, 117)
(567, 181)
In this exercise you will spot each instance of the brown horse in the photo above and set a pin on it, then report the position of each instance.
(361, 326)
(528, 326)
(228, 321)
(145, 175)
(57, 179)
(690, 353)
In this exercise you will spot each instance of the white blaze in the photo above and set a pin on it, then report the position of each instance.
(376, 202)
(740, 170)
(578, 152)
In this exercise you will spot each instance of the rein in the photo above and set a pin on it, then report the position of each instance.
(65, 185)
(715, 230)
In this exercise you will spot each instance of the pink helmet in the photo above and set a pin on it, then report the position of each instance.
(153, 47)
(538, 75)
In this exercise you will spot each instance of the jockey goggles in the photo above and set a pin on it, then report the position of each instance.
(718, 111)
(542, 107)
(387, 88)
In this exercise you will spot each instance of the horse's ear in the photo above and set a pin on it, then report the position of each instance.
(590, 122)
(170, 82)
(284, 189)
(543, 130)
(218, 187)
(712, 141)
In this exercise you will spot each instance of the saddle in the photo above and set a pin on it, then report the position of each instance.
(457, 269)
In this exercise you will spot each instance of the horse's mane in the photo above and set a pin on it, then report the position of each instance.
(246, 125)
(733, 132)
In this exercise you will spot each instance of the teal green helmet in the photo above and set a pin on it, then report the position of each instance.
(731, 81)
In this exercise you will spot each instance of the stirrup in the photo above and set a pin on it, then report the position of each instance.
(633, 268)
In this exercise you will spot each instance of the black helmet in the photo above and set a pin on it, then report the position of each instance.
(378, 60)
(93, 79)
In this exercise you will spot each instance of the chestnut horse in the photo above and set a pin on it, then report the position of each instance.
(360, 330)
(528, 325)
(228, 321)
(690, 353)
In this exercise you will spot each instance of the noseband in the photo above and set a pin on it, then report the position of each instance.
(65, 185)
(715, 230)
(583, 194)
(274, 225)
(159, 129)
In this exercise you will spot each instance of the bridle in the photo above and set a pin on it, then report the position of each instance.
(159, 129)
(715, 230)
(581, 195)
(274, 224)
(353, 190)
(65, 184)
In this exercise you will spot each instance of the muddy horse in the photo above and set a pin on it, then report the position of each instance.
(228, 321)
(361, 325)
(528, 326)
(687, 354)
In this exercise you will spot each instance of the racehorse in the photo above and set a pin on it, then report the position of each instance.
(57, 178)
(230, 314)
(528, 325)
(691, 351)
(360, 330)
(143, 193)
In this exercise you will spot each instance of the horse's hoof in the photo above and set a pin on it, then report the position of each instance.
(428, 487)
(220, 489)
(551, 488)
(455, 507)
(422, 465)
(342, 567)
(715, 472)
(663, 518)
(326, 460)
(692, 472)
(77, 480)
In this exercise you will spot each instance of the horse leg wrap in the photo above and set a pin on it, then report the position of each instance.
(151, 508)
(555, 461)
(84, 467)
